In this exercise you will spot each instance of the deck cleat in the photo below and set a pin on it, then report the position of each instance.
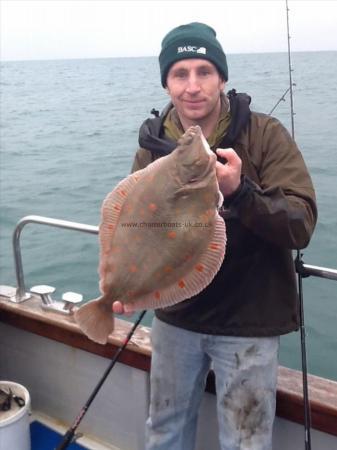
(44, 291)
(64, 306)
(70, 299)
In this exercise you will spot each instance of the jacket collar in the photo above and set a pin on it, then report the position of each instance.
(151, 133)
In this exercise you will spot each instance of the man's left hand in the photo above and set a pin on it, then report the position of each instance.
(228, 174)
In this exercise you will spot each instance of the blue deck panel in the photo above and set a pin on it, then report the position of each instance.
(45, 438)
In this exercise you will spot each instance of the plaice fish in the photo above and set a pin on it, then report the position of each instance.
(161, 237)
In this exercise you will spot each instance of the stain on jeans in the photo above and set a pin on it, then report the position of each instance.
(248, 413)
(159, 400)
(246, 357)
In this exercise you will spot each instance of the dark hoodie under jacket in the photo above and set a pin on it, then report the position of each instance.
(273, 212)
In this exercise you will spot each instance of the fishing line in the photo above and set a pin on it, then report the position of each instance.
(69, 435)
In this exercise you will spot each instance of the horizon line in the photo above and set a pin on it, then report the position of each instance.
(152, 56)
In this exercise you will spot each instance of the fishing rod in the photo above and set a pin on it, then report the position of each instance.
(300, 274)
(69, 435)
(282, 99)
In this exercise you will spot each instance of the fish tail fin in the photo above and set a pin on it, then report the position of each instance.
(96, 320)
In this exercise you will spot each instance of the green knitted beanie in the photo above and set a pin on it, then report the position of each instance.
(194, 40)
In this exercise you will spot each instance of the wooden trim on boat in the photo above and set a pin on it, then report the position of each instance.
(322, 395)
(29, 316)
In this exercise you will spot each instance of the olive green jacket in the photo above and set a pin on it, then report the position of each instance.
(273, 212)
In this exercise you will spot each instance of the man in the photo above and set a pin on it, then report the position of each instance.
(269, 209)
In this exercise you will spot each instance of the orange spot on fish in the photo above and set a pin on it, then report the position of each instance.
(207, 214)
(168, 269)
(117, 207)
(171, 234)
(157, 295)
(152, 207)
(111, 227)
(123, 193)
(214, 246)
(181, 284)
(199, 267)
(133, 268)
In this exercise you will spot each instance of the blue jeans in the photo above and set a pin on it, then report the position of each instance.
(246, 375)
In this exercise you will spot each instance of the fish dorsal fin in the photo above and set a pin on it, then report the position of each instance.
(110, 213)
(111, 210)
(192, 283)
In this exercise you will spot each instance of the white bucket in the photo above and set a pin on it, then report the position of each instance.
(14, 424)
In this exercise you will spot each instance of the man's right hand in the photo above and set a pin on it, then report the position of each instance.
(118, 308)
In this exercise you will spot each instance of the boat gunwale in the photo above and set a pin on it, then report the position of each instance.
(29, 316)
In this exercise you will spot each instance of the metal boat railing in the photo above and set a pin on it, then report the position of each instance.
(21, 295)
(317, 271)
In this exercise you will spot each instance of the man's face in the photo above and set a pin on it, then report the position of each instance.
(194, 86)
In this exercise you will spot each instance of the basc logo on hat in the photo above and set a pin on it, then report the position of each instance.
(192, 49)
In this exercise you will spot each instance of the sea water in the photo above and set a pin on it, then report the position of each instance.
(69, 132)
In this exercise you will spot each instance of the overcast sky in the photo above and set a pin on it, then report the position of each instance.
(53, 29)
